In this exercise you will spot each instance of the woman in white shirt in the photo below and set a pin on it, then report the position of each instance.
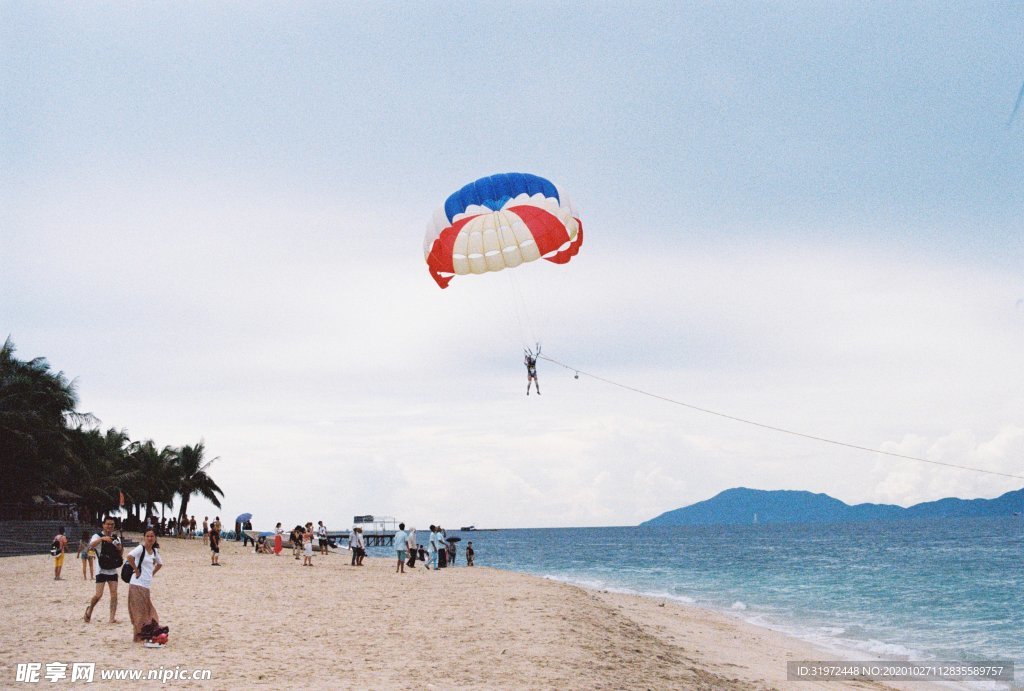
(145, 561)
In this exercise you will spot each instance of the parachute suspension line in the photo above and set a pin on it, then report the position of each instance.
(526, 331)
(762, 425)
(515, 310)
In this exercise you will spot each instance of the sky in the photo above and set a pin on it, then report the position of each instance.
(805, 214)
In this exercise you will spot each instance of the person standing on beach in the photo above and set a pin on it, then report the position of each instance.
(410, 547)
(145, 561)
(469, 553)
(192, 528)
(399, 541)
(432, 547)
(206, 530)
(108, 546)
(442, 549)
(59, 547)
(278, 538)
(87, 555)
(360, 546)
(215, 544)
(321, 536)
(307, 545)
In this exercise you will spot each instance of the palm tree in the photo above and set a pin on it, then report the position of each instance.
(102, 468)
(192, 477)
(152, 476)
(36, 405)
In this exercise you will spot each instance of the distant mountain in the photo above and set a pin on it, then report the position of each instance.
(741, 505)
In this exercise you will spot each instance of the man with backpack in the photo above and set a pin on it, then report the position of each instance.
(108, 549)
(60, 543)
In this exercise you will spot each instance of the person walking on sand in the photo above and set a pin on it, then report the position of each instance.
(108, 547)
(87, 555)
(57, 549)
(145, 561)
(321, 536)
(399, 541)
(215, 544)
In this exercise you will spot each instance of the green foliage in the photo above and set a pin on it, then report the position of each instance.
(48, 448)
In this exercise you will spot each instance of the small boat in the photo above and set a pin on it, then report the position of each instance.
(467, 528)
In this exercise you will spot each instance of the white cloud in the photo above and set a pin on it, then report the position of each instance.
(333, 378)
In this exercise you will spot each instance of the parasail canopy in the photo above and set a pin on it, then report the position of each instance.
(499, 222)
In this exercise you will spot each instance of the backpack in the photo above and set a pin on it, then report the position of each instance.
(109, 557)
(127, 571)
(55, 548)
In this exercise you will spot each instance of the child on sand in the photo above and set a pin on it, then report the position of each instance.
(87, 555)
(307, 545)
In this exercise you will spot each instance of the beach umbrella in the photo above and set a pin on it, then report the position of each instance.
(243, 517)
(455, 539)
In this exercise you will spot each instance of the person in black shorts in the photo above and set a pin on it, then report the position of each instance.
(215, 544)
(108, 547)
(321, 536)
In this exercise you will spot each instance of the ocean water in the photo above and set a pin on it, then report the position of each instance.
(948, 589)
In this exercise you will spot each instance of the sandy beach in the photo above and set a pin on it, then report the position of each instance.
(266, 621)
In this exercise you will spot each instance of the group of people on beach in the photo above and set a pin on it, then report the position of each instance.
(440, 553)
(177, 527)
(143, 562)
(105, 550)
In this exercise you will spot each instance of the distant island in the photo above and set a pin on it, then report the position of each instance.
(743, 505)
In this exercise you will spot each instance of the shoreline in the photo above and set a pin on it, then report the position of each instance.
(833, 647)
(251, 620)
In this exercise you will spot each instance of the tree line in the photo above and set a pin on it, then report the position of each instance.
(48, 448)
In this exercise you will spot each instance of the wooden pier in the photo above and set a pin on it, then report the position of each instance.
(374, 539)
